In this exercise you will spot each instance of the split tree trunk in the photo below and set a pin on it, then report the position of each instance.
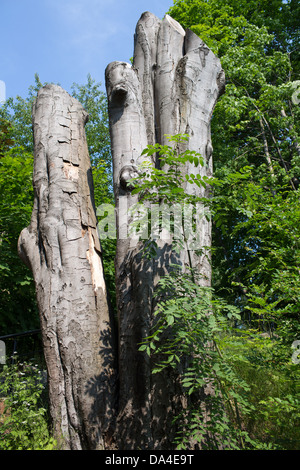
(61, 246)
(172, 88)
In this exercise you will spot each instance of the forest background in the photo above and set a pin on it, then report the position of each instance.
(255, 204)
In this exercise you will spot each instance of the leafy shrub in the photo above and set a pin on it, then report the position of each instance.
(24, 423)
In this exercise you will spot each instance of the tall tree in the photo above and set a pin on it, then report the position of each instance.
(62, 249)
(172, 88)
(18, 309)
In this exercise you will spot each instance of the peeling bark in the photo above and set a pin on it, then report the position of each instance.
(62, 248)
(171, 88)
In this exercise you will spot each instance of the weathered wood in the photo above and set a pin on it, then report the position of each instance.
(128, 139)
(144, 62)
(171, 88)
(62, 248)
(200, 80)
(170, 48)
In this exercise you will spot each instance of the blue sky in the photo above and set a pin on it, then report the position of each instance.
(64, 40)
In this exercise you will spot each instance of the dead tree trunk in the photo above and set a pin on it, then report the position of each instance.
(171, 88)
(62, 248)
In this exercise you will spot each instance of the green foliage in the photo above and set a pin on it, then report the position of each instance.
(18, 311)
(255, 404)
(255, 385)
(186, 337)
(257, 116)
(189, 320)
(166, 186)
(24, 423)
(5, 136)
(274, 387)
(255, 133)
(220, 23)
(18, 112)
(266, 226)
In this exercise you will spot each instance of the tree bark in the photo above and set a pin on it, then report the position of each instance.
(171, 88)
(62, 248)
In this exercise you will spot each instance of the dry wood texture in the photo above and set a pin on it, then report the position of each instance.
(171, 88)
(62, 248)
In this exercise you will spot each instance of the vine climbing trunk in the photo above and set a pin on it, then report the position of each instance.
(171, 88)
(62, 248)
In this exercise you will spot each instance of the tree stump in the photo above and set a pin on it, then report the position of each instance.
(171, 88)
(62, 248)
